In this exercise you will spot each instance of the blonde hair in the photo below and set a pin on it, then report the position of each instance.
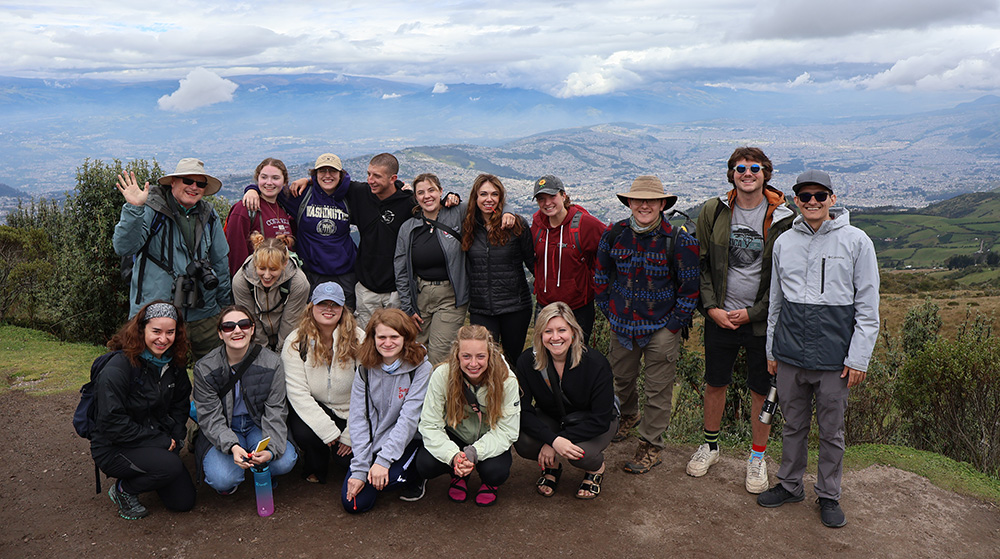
(269, 252)
(557, 310)
(348, 344)
(493, 378)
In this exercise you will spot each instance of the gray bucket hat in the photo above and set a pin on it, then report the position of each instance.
(648, 187)
(192, 166)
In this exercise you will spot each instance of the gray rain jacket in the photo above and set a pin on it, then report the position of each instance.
(823, 311)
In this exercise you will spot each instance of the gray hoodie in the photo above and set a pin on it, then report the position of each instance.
(391, 407)
(274, 320)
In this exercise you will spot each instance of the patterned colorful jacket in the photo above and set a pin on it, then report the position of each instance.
(636, 287)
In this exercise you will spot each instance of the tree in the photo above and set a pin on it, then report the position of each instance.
(24, 266)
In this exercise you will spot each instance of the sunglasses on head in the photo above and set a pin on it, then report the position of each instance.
(755, 168)
(228, 327)
(819, 196)
(199, 184)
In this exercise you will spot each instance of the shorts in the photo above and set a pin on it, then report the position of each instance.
(721, 348)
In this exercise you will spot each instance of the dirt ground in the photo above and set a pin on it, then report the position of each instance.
(48, 509)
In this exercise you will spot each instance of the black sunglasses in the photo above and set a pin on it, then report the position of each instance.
(819, 196)
(199, 184)
(244, 325)
(755, 168)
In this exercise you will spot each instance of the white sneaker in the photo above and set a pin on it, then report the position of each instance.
(756, 475)
(702, 460)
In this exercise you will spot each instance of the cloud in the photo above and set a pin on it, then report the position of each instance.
(391, 96)
(200, 88)
(940, 72)
(440, 88)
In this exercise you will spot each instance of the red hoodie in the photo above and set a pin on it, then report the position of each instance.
(564, 271)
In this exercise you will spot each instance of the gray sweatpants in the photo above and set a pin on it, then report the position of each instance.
(797, 389)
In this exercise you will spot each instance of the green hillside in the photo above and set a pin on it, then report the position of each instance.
(927, 237)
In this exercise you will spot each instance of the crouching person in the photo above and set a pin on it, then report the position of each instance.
(567, 402)
(470, 418)
(386, 398)
(239, 394)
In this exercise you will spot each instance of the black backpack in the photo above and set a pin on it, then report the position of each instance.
(85, 416)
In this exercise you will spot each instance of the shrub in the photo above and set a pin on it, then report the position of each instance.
(870, 416)
(24, 267)
(950, 396)
(921, 326)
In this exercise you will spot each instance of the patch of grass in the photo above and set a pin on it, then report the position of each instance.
(38, 363)
(942, 471)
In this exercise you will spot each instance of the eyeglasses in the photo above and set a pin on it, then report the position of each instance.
(819, 196)
(199, 184)
(244, 325)
(328, 305)
(755, 168)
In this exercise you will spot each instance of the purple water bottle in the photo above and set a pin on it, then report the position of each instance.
(262, 485)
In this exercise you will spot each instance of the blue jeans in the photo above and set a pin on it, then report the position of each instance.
(222, 474)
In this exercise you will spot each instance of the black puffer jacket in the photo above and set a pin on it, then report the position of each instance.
(135, 411)
(496, 273)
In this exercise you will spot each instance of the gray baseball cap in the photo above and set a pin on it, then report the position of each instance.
(549, 184)
(813, 176)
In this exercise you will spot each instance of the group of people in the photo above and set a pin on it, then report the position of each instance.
(360, 355)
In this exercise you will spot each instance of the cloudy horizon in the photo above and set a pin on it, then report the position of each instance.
(566, 50)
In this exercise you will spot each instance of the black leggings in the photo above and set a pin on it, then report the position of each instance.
(314, 454)
(508, 329)
(593, 450)
(492, 471)
(146, 469)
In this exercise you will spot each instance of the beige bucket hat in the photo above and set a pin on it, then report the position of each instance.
(192, 166)
(648, 187)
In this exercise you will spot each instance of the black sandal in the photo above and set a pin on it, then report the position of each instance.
(592, 484)
(543, 481)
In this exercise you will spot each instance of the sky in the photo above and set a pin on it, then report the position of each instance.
(565, 49)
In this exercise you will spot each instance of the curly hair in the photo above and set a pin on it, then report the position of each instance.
(497, 235)
(576, 348)
(322, 353)
(749, 154)
(131, 339)
(493, 377)
(413, 352)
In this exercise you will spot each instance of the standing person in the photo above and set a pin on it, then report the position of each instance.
(239, 394)
(647, 286)
(470, 417)
(565, 239)
(270, 220)
(567, 402)
(180, 248)
(431, 276)
(142, 409)
(499, 298)
(272, 285)
(320, 358)
(821, 329)
(322, 221)
(386, 399)
(736, 234)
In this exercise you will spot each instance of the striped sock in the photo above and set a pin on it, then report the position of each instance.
(757, 451)
(712, 438)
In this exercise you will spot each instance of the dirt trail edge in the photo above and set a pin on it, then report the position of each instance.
(48, 509)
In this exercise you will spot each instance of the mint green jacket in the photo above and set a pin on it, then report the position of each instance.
(489, 442)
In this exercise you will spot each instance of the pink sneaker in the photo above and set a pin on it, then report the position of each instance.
(487, 496)
(458, 491)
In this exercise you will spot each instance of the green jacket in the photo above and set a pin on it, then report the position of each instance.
(488, 442)
(713, 231)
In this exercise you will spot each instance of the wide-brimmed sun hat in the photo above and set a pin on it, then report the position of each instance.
(648, 187)
(192, 166)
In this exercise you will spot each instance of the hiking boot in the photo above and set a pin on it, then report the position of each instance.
(777, 496)
(830, 513)
(625, 425)
(129, 506)
(646, 456)
(756, 475)
(702, 460)
(413, 491)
